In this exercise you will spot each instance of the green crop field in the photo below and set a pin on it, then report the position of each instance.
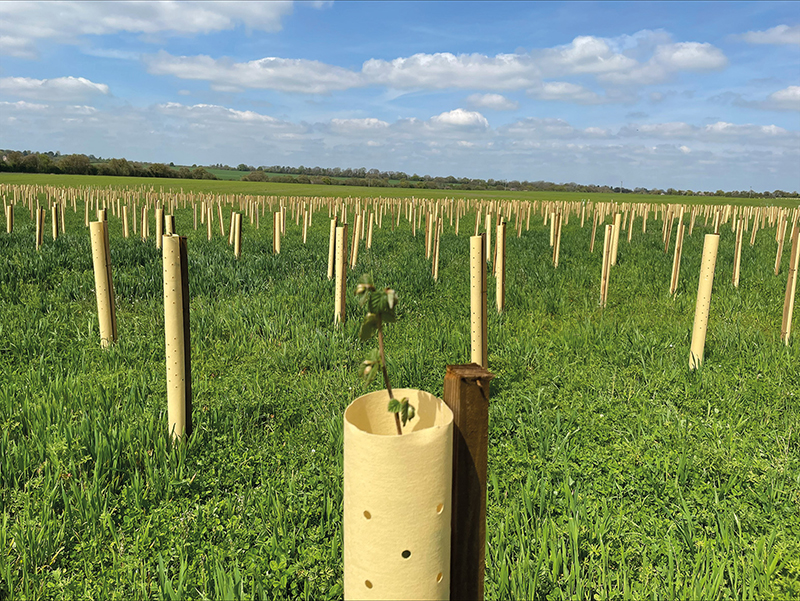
(615, 472)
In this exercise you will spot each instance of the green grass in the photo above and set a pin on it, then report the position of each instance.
(272, 189)
(614, 471)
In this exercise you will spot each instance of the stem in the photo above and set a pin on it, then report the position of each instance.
(386, 374)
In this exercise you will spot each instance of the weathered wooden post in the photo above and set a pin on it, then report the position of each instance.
(676, 260)
(615, 240)
(332, 248)
(781, 236)
(341, 275)
(791, 285)
(103, 282)
(466, 392)
(479, 338)
(704, 286)
(737, 252)
(40, 217)
(608, 243)
(176, 334)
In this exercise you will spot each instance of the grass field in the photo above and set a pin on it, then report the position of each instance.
(614, 471)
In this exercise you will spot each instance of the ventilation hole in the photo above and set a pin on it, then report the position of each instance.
(406, 554)
(368, 584)
(439, 577)
(367, 515)
(440, 508)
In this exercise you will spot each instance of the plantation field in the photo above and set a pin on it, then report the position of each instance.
(614, 471)
(274, 189)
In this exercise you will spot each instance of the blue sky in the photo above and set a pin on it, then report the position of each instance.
(690, 95)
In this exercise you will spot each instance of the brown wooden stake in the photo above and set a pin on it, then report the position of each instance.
(332, 248)
(615, 239)
(608, 243)
(781, 233)
(500, 267)
(791, 285)
(676, 259)
(737, 252)
(466, 392)
(594, 231)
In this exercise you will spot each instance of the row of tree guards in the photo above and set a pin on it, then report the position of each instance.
(426, 214)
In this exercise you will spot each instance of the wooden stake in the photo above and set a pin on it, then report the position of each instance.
(176, 334)
(477, 270)
(332, 248)
(608, 243)
(615, 240)
(705, 284)
(10, 218)
(466, 392)
(159, 227)
(737, 252)
(791, 285)
(125, 229)
(676, 260)
(103, 283)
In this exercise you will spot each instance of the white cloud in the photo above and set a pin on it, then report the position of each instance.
(446, 70)
(565, 91)
(781, 35)
(787, 99)
(690, 56)
(21, 105)
(584, 56)
(461, 118)
(27, 22)
(60, 88)
(287, 75)
(493, 102)
(368, 126)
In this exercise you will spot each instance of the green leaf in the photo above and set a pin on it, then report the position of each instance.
(394, 406)
(370, 326)
(407, 411)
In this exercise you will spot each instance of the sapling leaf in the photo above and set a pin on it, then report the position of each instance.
(369, 326)
(394, 406)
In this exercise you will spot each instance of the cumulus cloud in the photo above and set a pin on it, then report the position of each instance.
(461, 118)
(780, 35)
(287, 75)
(606, 60)
(493, 102)
(24, 23)
(57, 89)
(787, 99)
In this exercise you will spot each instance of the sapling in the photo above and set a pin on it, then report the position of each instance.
(380, 309)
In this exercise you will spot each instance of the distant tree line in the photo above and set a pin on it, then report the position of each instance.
(81, 164)
(55, 162)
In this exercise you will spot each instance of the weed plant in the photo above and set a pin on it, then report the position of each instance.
(614, 471)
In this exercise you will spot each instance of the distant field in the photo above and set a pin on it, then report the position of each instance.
(270, 189)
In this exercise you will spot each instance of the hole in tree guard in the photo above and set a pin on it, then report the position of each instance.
(368, 584)
(406, 554)
(440, 508)
(439, 577)
(367, 515)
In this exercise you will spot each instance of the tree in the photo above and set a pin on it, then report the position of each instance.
(75, 164)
